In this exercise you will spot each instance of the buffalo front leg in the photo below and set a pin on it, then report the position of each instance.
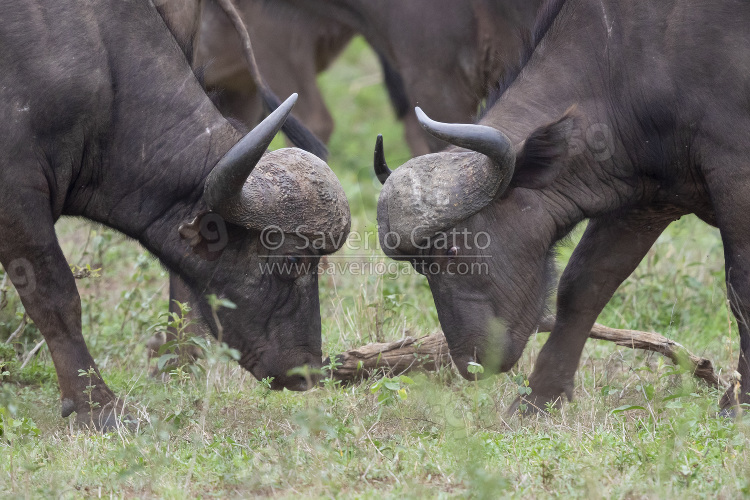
(609, 251)
(38, 269)
(737, 265)
(728, 185)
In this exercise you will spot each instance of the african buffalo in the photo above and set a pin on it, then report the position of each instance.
(447, 54)
(106, 120)
(290, 51)
(630, 114)
(212, 43)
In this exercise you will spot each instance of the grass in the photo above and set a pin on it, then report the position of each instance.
(637, 428)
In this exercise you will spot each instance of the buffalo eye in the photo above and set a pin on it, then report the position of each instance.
(290, 268)
(452, 253)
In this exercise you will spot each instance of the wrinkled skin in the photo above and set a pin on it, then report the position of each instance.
(286, 321)
(289, 63)
(111, 125)
(449, 54)
(655, 135)
(183, 18)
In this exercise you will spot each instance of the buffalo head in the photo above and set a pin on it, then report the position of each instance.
(455, 216)
(268, 218)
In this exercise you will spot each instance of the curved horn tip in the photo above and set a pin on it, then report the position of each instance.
(382, 172)
(379, 144)
(288, 104)
(424, 120)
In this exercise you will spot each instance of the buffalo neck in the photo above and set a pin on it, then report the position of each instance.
(583, 67)
(164, 138)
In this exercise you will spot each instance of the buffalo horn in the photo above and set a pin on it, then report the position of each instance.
(226, 180)
(381, 167)
(480, 138)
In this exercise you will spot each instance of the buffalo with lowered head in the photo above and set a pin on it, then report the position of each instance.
(629, 114)
(106, 120)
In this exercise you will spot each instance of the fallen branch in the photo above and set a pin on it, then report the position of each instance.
(701, 368)
(31, 354)
(426, 353)
(19, 330)
(431, 352)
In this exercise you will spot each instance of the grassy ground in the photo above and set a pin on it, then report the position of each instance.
(638, 427)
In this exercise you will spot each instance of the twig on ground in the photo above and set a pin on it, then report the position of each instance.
(19, 330)
(431, 352)
(31, 354)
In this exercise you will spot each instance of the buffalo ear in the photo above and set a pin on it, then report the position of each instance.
(544, 154)
(206, 235)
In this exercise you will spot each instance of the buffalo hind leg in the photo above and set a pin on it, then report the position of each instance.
(38, 269)
(610, 250)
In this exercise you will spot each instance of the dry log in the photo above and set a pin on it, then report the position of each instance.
(431, 352)
(426, 353)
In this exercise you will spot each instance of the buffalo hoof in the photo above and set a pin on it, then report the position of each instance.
(112, 417)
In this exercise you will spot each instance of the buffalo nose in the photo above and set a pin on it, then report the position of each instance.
(295, 382)
(298, 383)
(477, 372)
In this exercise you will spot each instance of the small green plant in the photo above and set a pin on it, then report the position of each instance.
(8, 362)
(265, 383)
(177, 356)
(13, 428)
(551, 408)
(85, 272)
(523, 390)
(181, 417)
(475, 369)
(329, 369)
(89, 391)
(391, 389)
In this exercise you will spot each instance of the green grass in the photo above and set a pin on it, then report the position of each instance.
(228, 436)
